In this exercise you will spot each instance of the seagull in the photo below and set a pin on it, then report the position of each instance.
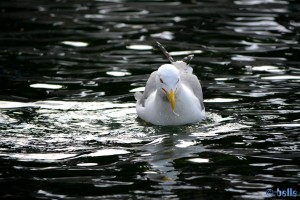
(172, 96)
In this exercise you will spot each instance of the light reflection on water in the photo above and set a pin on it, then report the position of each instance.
(103, 122)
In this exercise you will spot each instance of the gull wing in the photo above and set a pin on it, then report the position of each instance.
(192, 82)
(149, 89)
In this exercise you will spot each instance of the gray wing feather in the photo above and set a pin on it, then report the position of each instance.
(191, 81)
(150, 88)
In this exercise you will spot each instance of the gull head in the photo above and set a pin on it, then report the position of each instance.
(167, 80)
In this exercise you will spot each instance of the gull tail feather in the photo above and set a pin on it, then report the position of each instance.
(188, 59)
(181, 65)
(162, 48)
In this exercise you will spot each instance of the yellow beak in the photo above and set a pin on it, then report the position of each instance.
(171, 98)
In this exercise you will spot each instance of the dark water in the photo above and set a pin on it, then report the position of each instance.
(68, 72)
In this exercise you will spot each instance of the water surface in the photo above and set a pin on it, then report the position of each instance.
(68, 72)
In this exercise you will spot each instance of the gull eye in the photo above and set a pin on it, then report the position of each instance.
(161, 80)
(177, 81)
